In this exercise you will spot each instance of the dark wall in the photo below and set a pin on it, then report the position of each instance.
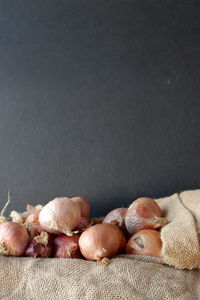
(100, 99)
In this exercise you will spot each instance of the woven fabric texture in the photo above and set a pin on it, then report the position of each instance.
(127, 276)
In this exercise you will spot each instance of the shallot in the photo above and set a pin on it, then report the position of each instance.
(145, 242)
(116, 216)
(144, 213)
(40, 246)
(101, 241)
(13, 239)
(66, 246)
(61, 215)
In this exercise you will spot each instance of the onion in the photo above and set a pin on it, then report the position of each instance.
(13, 239)
(35, 249)
(85, 206)
(144, 213)
(116, 216)
(101, 241)
(40, 246)
(66, 246)
(60, 215)
(145, 242)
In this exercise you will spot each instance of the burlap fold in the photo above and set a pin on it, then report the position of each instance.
(180, 237)
(127, 276)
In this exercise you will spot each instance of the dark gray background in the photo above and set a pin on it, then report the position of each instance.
(99, 99)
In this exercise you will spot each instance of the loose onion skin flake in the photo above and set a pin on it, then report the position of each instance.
(66, 247)
(145, 242)
(101, 241)
(144, 213)
(13, 239)
(33, 214)
(16, 217)
(61, 215)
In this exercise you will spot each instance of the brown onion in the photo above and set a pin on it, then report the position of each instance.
(101, 241)
(13, 239)
(60, 215)
(85, 206)
(145, 242)
(144, 213)
(66, 246)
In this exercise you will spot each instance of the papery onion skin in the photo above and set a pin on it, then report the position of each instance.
(144, 213)
(33, 229)
(13, 239)
(66, 247)
(32, 224)
(33, 214)
(85, 206)
(101, 241)
(61, 215)
(16, 217)
(145, 242)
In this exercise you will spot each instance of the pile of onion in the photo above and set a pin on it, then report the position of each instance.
(62, 229)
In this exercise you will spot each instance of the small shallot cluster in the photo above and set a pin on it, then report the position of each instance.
(63, 229)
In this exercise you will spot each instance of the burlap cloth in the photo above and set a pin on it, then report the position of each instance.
(127, 276)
